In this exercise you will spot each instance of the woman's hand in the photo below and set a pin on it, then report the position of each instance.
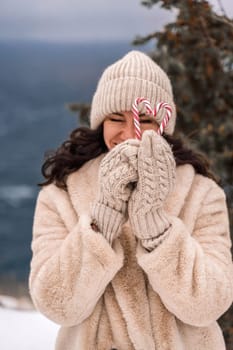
(117, 175)
(156, 178)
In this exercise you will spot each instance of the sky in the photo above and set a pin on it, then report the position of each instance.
(84, 20)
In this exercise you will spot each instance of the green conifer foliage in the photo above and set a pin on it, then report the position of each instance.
(196, 50)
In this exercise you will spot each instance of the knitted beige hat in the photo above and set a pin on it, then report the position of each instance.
(135, 75)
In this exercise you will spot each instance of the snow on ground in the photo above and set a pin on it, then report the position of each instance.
(24, 329)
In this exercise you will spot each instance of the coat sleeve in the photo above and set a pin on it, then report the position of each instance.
(69, 270)
(192, 272)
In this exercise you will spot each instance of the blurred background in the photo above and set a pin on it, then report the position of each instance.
(51, 56)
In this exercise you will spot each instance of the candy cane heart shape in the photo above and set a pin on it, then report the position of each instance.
(152, 111)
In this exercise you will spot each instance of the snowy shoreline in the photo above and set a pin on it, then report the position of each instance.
(23, 327)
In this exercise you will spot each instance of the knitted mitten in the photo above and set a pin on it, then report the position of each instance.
(156, 177)
(117, 173)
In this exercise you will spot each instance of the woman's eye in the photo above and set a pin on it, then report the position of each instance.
(112, 119)
(146, 121)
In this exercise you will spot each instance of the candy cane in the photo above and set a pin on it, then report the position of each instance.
(167, 116)
(154, 112)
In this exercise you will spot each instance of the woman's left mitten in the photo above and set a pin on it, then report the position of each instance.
(156, 178)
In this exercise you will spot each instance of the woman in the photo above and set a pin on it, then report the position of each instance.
(131, 245)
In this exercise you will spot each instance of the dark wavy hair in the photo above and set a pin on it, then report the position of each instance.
(85, 144)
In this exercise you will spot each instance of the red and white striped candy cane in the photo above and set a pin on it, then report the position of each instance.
(167, 116)
(152, 111)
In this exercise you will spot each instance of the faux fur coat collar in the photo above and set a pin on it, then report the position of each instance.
(83, 187)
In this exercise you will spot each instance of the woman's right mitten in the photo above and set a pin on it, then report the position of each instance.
(117, 174)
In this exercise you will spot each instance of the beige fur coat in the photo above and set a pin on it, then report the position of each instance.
(124, 297)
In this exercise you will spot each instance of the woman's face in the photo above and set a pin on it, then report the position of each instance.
(119, 127)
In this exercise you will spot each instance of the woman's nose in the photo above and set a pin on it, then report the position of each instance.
(128, 132)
